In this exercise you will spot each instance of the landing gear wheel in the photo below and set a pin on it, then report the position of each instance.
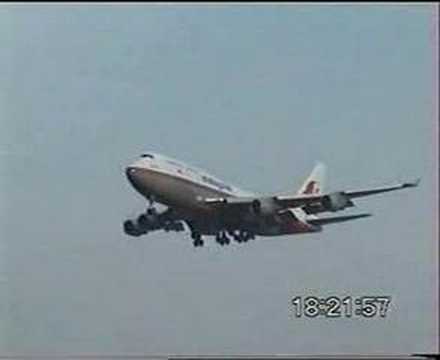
(197, 243)
(151, 211)
(218, 238)
(143, 222)
(179, 226)
(197, 237)
(131, 229)
(224, 238)
(168, 226)
(243, 236)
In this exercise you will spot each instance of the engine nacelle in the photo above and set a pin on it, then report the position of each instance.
(264, 207)
(336, 201)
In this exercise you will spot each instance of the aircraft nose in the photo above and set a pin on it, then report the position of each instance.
(137, 178)
(131, 172)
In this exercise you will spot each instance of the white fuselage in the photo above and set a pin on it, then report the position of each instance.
(177, 184)
(184, 188)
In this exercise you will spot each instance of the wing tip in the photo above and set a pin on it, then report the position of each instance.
(414, 183)
(365, 215)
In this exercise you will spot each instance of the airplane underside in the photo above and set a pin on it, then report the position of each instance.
(206, 223)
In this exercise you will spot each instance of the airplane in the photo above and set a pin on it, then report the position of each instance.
(211, 207)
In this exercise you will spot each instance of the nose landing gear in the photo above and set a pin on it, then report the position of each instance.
(224, 238)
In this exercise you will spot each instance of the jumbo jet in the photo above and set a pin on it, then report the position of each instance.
(209, 206)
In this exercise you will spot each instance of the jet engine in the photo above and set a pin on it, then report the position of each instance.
(264, 207)
(336, 201)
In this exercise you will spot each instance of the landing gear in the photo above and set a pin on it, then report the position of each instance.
(143, 222)
(243, 236)
(131, 229)
(226, 239)
(222, 238)
(240, 237)
(149, 221)
(173, 226)
(150, 199)
(236, 236)
(152, 211)
(197, 239)
(198, 242)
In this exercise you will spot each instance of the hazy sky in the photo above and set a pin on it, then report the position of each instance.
(254, 94)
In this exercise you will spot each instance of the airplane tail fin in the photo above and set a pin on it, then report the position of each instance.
(315, 183)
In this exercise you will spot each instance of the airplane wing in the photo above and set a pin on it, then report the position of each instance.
(311, 203)
(360, 193)
(336, 219)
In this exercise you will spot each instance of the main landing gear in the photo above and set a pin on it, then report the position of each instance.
(224, 238)
(197, 239)
(243, 236)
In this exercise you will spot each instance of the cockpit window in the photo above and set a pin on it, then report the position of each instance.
(147, 156)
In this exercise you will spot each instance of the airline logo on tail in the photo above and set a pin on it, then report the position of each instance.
(315, 183)
(312, 187)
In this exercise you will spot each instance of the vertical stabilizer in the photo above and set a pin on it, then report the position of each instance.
(315, 183)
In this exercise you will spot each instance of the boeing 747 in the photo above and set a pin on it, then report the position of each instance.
(209, 206)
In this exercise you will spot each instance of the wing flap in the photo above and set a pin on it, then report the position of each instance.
(285, 201)
(336, 219)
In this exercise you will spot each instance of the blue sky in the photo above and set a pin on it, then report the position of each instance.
(255, 94)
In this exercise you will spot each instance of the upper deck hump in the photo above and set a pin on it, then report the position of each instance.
(196, 174)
